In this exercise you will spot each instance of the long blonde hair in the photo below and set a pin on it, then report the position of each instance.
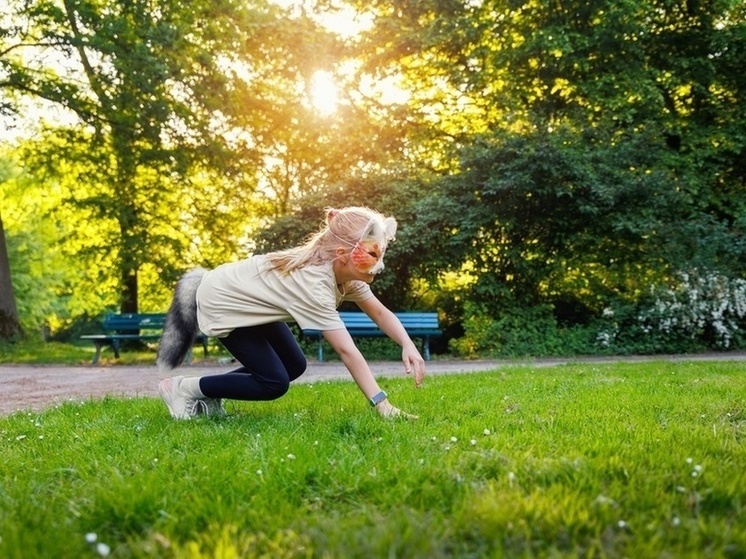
(342, 229)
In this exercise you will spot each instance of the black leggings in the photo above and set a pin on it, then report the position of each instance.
(271, 358)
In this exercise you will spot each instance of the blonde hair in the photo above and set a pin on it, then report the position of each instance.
(342, 229)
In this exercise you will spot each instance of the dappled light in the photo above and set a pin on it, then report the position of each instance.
(554, 168)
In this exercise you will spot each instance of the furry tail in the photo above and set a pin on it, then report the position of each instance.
(181, 325)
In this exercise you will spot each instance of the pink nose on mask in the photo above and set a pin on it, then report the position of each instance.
(367, 257)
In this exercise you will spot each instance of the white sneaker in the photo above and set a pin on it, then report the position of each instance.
(181, 404)
(214, 406)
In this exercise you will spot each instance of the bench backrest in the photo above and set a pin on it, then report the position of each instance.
(412, 321)
(134, 321)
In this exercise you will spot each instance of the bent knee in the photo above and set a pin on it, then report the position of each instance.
(298, 367)
(277, 389)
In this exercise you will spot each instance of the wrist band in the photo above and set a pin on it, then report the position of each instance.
(378, 398)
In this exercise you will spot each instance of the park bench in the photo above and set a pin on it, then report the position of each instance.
(422, 325)
(132, 326)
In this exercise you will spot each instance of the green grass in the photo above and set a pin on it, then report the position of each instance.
(38, 352)
(622, 460)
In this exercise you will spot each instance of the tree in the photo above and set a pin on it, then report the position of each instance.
(580, 144)
(193, 123)
(153, 103)
(10, 326)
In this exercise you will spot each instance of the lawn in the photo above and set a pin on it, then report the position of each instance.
(619, 460)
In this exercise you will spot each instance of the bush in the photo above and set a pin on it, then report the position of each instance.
(520, 333)
(700, 311)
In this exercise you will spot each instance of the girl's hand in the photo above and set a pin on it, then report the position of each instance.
(413, 362)
(386, 410)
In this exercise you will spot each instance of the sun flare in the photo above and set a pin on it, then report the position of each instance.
(324, 92)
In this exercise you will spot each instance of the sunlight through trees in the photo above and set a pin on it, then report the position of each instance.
(572, 157)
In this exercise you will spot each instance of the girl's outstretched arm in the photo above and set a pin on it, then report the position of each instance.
(387, 321)
(342, 343)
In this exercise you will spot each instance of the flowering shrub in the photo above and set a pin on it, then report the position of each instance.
(701, 308)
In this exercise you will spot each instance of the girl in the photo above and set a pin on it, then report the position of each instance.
(246, 304)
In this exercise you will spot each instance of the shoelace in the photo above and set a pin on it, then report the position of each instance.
(196, 407)
(214, 406)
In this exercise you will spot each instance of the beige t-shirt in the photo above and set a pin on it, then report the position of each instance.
(249, 293)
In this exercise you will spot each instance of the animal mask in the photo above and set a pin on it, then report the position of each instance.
(367, 254)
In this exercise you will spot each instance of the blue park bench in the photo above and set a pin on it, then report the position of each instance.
(132, 326)
(422, 325)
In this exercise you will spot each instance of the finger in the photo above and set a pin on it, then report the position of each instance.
(408, 367)
(419, 377)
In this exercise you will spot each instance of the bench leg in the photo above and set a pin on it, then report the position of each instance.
(97, 355)
(321, 349)
(426, 348)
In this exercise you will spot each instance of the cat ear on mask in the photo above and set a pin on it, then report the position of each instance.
(380, 231)
(389, 228)
(370, 231)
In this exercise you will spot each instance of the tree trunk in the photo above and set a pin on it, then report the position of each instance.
(129, 292)
(10, 325)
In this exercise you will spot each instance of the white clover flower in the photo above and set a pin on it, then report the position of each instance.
(454, 439)
(91, 537)
(103, 550)
(473, 442)
(486, 431)
(675, 521)
(291, 456)
(259, 472)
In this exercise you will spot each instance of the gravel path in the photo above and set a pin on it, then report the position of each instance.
(33, 387)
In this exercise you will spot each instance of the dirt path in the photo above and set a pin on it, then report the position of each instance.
(32, 387)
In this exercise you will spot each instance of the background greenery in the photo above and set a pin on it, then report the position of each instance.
(567, 177)
(616, 460)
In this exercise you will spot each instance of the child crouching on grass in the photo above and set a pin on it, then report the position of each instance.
(246, 304)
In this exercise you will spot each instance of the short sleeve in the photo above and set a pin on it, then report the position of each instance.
(357, 292)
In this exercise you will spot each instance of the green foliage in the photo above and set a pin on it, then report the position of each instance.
(521, 333)
(567, 156)
(699, 312)
(580, 460)
(583, 148)
(546, 216)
